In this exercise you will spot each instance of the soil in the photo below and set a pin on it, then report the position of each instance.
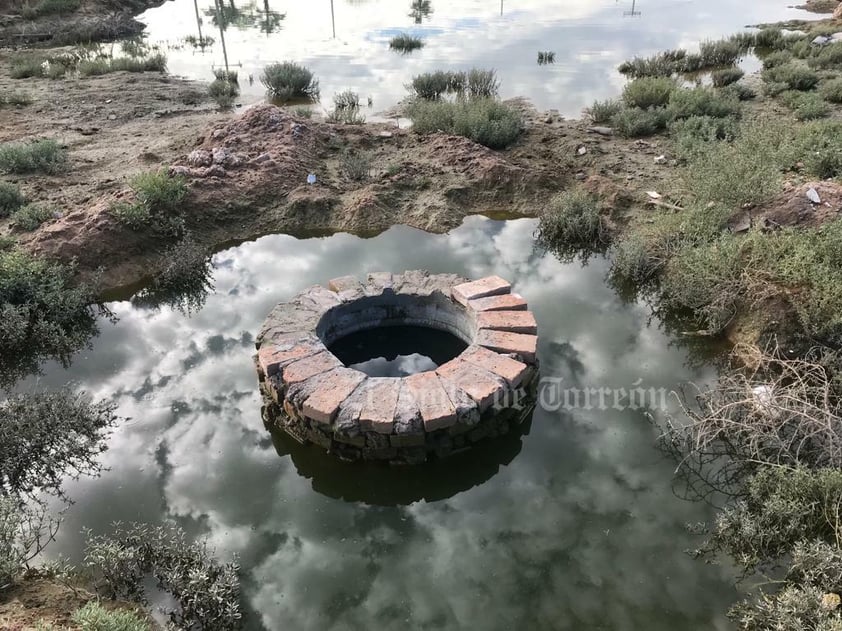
(38, 598)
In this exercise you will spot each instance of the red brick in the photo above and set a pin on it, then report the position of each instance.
(506, 302)
(526, 346)
(513, 321)
(509, 369)
(333, 388)
(437, 411)
(303, 369)
(272, 357)
(480, 385)
(378, 410)
(488, 286)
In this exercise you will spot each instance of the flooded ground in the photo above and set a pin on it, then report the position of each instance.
(573, 525)
(590, 38)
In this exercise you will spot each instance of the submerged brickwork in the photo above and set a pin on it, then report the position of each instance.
(312, 396)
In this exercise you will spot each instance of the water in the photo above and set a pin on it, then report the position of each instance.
(397, 351)
(590, 39)
(572, 525)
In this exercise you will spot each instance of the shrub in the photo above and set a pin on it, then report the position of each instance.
(94, 617)
(484, 121)
(25, 68)
(819, 145)
(184, 281)
(572, 221)
(726, 76)
(158, 204)
(50, 7)
(29, 217)
(805, 105)
(431, 86)
(288, 80)
(723, 52)
(346, 109)
(829, 56)
(481, 84)
(664, 64)
(769, 39)
(795, 76)
(740, 91)
(405, 43)
(97, 67)
(635, 123)
(601, 112)
(356, 165)
(649, 92)
(206, 591)
(223, 92)
(702, 102)
(546, 57)
(221, 74)
(778, 58)
(831, 90)
(693, 134)
(10, 199)
(43, 312)
(25, 529)
(43, 155)
(48, 436)
(303, 111)
(15, 98)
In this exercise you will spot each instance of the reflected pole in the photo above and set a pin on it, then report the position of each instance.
(332, 19)
(199, 23)
(216, 4)
(631, 13)
(501, 7)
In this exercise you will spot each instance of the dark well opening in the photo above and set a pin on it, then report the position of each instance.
(397, 351)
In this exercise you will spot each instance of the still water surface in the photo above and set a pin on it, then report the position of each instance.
(573, 525)
(589, 37)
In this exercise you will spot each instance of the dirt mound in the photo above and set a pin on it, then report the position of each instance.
(809, 205)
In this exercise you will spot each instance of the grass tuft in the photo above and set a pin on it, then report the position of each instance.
(476, 83)
(94, 617)
(726, 76)
(484, 121)
(356, 165)
(702, 101)
(29, 217)
(601, 112)
(649, 92)
(636, 123)
(793, 75)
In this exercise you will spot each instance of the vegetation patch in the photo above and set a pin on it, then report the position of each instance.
(356, 165)
(183, 283)
(633, 122)
(793, 75)
(346, 109)
(702, 102)
(726, 76)
(10, 199)
(805, 105)
(157, 206)
(14, 99)
(649, 92)
(288, 80)
(225, 88)
(473, 84)
(485, 121)
(601, 112)
(45, 156)
(94, 617)
(49, 7)
(28, 218)
(572, 222)
(405, 43)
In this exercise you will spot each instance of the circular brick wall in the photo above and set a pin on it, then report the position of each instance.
(311, 395)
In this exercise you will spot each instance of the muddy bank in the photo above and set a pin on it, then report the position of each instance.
(21, 24)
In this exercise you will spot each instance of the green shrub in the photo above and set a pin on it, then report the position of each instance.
(25, 68)
(44, 155)
(661, 65)
(94, 617)
(184, 281)
(476, 84)
(158, 205)
(231, 76)
(206, 591)
(356, 165)
(778, 58)
(769, 39)
(805, 105)
(50, 7)
(635, 123)
(43, 313)
(223, 92)
(740, 91)
(601, 112)
(694, 134)
(484, 121)
(97, 67)
(795, 76)
(829, 56)
(819, 146)
(29, 217)
(10, 199)
(25, 529)
(702, 101)
(15, 98)
(406, 43)
(288, 80)
(94, 67)
(723, 52)
(831, 90)
(481, 84)
(726, 76)
(572, 221)
(649, 92)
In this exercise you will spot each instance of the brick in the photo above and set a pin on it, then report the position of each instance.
(272, 357)
(303, 369)
(525, 346)
(334, 387)
(509, 369)
(482, 288)
(506, 302)
(513, 321)
(437, 411)
(482, 386)
(379, 402)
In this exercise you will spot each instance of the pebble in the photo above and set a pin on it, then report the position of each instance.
(112, 117)
(602, 131)
(582, 150)
(580, 176)
(660, 159)
(813, 196)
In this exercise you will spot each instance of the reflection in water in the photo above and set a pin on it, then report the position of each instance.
(633, 12)
(573, 526)
(380, 484)
(397, 351)
(419, 10)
